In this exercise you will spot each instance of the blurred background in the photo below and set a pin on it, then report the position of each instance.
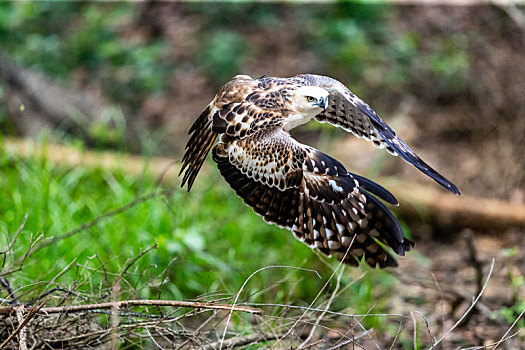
(126, 81)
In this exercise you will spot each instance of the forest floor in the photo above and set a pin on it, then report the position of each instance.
(457, 271)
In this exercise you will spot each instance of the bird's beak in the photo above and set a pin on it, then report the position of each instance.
(323, 103)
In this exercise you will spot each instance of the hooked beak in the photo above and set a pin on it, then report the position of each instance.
(323, 103)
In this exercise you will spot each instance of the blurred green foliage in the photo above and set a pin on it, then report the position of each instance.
(222, 54)
(352, 41)
(358, 46)
(350, 36)
(107, 47)
(63, 38)
(109, 131)
(449, 63)
(513, 311)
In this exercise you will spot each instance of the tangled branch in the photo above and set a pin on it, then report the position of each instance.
(7, 310)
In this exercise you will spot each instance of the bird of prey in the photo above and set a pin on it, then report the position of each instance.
(293, 185)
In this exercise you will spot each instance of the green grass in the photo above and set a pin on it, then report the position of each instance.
(208, 241)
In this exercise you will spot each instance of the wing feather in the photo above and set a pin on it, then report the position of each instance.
(349, 112)
(375, 189)
(313, 195)
(206, 128)
(404, 151)
(198, 147)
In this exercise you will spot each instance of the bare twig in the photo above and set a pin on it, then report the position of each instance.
(163, 276)
(114, 318)
(508, 330)
(133, 260)
(105, 332)
(468, 310)
(488, 345)
(244, 284)
(153, 339)
(322, 289)
(17, 233)
(240, 341)
(399, 330)
(20, 262)
(197, 331)
(351, 341)
(11, 293)
(484, 309)
(307, 322)
(314, 344)
(105, 270)
(56, 289)
(441, 304)
(414, 333)
(22, 338)
(321, 315)
(32, 312)
(307, 308)
(6, 310)
(427, 326)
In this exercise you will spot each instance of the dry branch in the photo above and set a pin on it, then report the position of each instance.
(350, 341)
(241, 340)
(31, 313)
(304, 345)
(7, 310)
(467, 311)
(444, 208)
(22, 338)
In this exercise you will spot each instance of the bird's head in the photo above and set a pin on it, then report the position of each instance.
(311, 99)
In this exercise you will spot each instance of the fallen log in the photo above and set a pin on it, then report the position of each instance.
(421, 201)
(72, 157)
(457, 211)
(33, 100)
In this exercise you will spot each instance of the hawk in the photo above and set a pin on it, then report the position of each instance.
(296, 186)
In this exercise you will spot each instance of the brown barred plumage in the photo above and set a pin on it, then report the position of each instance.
(296, 186)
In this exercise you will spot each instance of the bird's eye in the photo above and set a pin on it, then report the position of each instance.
(310, 99)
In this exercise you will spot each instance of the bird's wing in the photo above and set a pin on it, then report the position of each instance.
(242, 107)
(266, 106)
(242, 119)
(298, 187)
(349, 112)
(203, 133)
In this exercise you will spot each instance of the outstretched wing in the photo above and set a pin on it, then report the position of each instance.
(349, 112)
(204, 130)
(298, 187)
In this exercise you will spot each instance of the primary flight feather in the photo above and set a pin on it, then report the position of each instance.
(293, 185)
